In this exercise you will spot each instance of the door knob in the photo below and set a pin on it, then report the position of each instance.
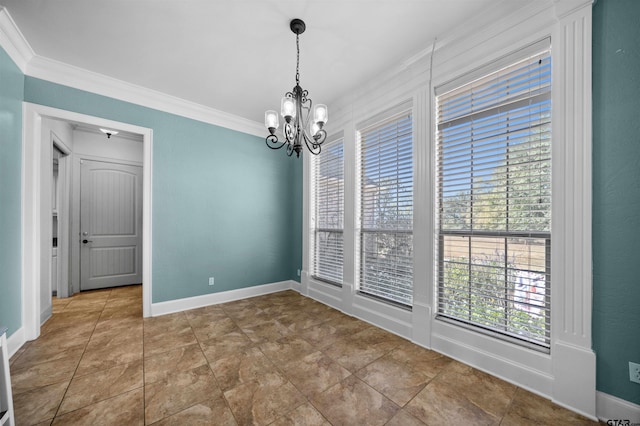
(86, 241)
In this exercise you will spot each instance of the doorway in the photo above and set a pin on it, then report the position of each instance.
(36, 223)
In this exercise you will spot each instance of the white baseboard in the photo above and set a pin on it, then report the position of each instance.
(609, 407)
(46, 314)
(15, 341)
(172, 306)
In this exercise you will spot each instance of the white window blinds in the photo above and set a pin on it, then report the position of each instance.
(328, 199)
(386, 208)
(494, 200)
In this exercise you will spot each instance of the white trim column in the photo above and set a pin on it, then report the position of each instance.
(423, 277)
(573, 360)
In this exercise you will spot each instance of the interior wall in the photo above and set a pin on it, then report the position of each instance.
(11, 96)
(222, 201)
(616, 198)
(296, 218)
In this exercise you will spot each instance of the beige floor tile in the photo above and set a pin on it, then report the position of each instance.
(315, 373)
(403, 418)
(132, 312)
(297, 322)
(114, 326)
(95, 387)
(485, 391)
(38, 405)
(440, 403)
(178, 391)
(224, 346)
(112, 335)
(304, 415)
(265, 331)
(214, 328)
(38, 353)
(165, 324)
(287, 349)
(395, 380)
(17, 355)
(421, 359)
(102, 358)
(327, 333)
(322, 335)
(201, 317)
(261, 401)
(158, 367)
(352, 402)
(356, 351)
(158, 343)
(124, 409)
(126, 291)
(530, 409)
(241, 367)
(214, 412)
(43, 374)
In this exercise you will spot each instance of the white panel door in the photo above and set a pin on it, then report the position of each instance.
(110, 225)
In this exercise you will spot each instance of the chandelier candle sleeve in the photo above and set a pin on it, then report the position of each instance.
(271, 120)
(320, 114)
(288, 108)
(297, 108)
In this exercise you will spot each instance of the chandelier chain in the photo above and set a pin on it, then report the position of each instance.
(297, 59)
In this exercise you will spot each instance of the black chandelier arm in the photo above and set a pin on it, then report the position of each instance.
(314, 145)
(289, 132)
(273, 142)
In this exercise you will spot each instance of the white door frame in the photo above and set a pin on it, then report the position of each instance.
(32, 214)
(64, 218)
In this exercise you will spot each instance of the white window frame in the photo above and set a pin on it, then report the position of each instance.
(389, 116)
(485, 235)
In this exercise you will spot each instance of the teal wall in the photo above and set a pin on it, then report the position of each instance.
(11, 93)
(223, 202)
(616, 194)
(296, 198)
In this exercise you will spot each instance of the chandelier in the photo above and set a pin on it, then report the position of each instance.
(296, 108)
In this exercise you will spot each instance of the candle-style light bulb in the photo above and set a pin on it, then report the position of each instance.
(288, 108)
(271, 120)
(320, 114)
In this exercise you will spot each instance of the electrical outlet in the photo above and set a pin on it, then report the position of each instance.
(634, 372)
(211, 281)
(298, 272)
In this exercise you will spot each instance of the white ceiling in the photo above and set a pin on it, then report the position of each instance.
(238, 56)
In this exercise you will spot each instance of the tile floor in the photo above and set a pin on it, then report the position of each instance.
(280, 359)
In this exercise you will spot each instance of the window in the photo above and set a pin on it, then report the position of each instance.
(386, 207)
(494, 199)
(327, 222)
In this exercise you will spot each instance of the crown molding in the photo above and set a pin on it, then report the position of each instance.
(13, 42)
(82, 79)
(567, 7)
(19, 50)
